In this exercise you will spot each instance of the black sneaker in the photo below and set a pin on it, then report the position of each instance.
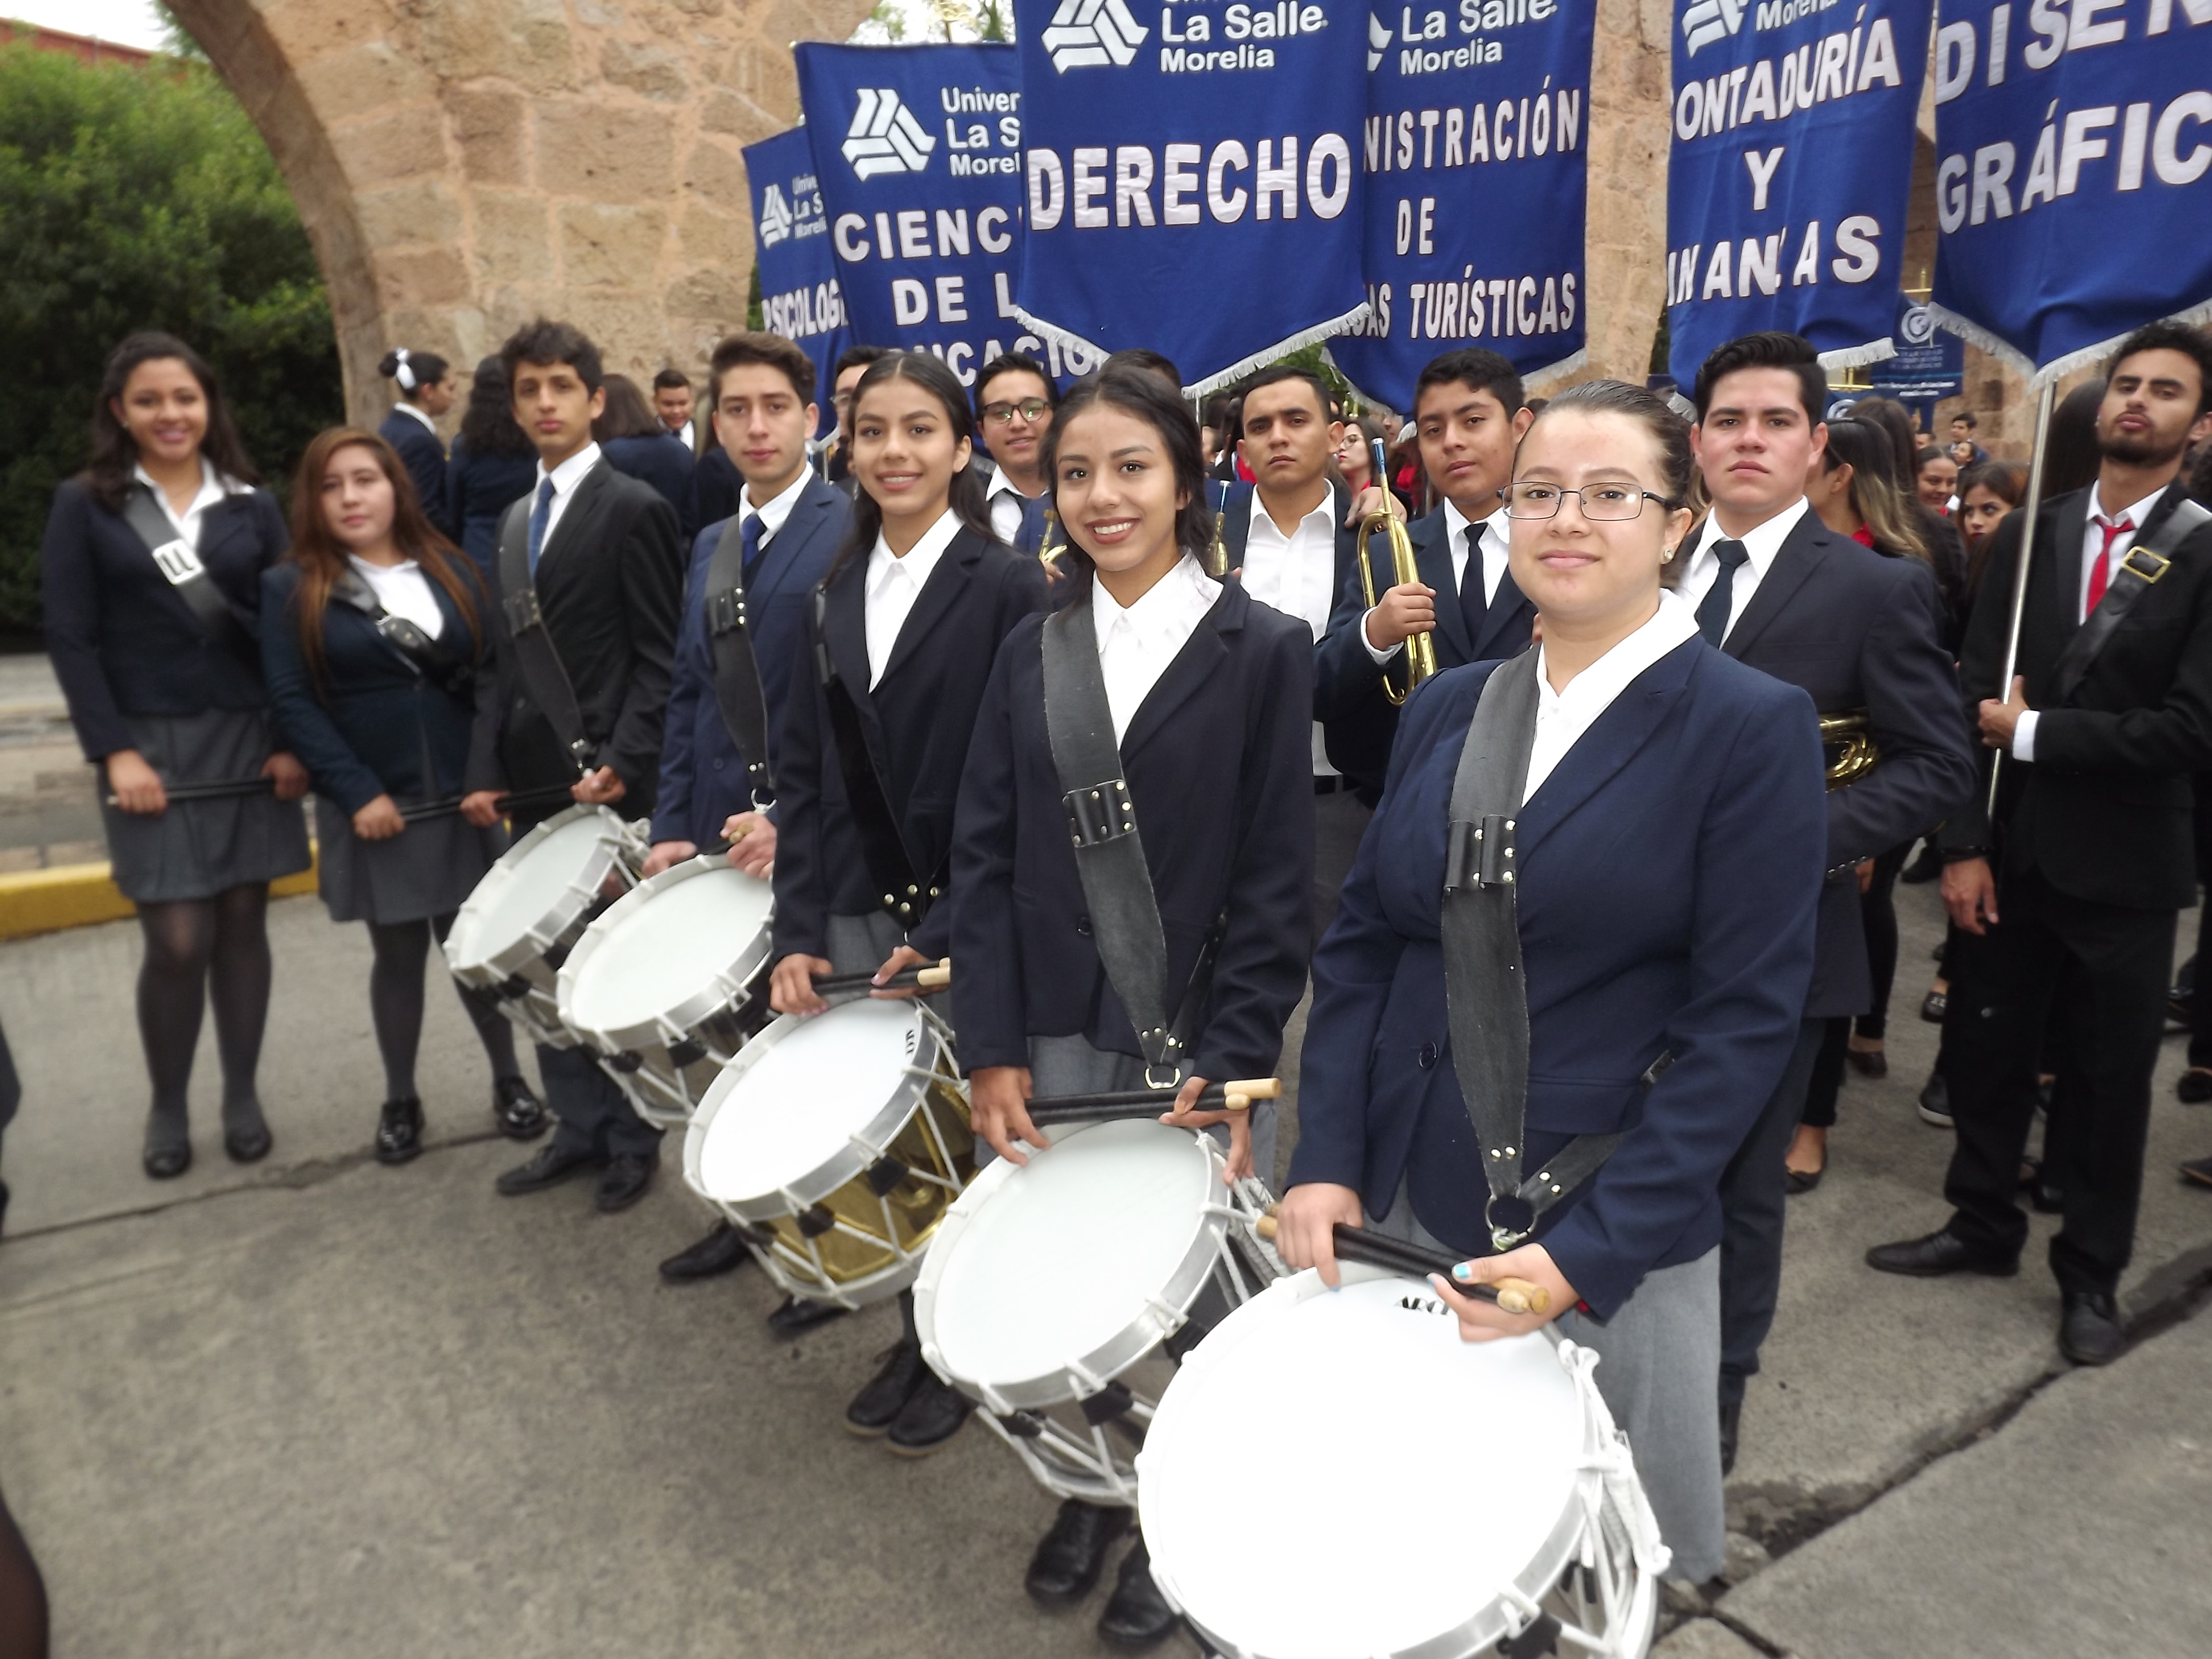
(518, 1111)
(1935, 1102)
(399, 1131)
(931, 1415)
(878, 1405)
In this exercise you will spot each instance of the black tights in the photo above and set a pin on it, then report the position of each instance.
(200, 951)
(395, 1004)
(23, 1595)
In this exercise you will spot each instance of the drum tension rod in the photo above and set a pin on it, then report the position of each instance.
(884, 1174)
(1108, 1403)
(816, 1220)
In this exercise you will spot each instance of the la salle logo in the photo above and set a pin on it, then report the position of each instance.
(1085, 31)
(884, 137)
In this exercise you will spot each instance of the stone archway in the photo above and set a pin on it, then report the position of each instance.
(462, 165)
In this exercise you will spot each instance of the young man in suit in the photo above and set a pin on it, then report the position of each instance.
(2068, 896)
(1773, 587)
(852, 363)
(600, 551)
(1470, 413)
(1014, 405)
(761, 388)
(671, 402)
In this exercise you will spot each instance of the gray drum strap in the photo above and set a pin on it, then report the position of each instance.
(1110, 853)
(2147, 560)
(180, 566)
(1486, 994)
(423, 653)
(543, 675)
(738, 692)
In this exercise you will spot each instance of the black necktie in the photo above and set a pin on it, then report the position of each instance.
(1713, 612)
(1473, 608)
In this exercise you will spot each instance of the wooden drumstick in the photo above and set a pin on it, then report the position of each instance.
(1514, 1296)
(923, 977)
(1237, 1095)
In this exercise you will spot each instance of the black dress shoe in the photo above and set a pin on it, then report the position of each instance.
(931, 1415)
(2042, 1197)
(1797, 1181)
(399, 1131)
(721, 1251)
(168, 1151)
(1940, 1253)
(1935, 1102)
(1731, 1422)
(625, 1180)
(801, 1313)
(2089, 1329)
(1137, 1615)
(1935, 1006)
(2194, 1086)
(878, 1405)
(554, 1165)
(518, 1111)
(1070, 1558)
(1868, 1062)
(245, 1134)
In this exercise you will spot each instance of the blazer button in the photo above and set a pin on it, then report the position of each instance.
(1082, 926)
(1428, 1056)
(718, 766)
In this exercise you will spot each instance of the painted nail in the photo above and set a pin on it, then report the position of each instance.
(1462, 1270)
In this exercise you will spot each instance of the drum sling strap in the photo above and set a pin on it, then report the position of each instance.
(1110, 853)
(543, 675)
(174, 558)
(436, 664)
(906, 897)
(737, 675)
(2148, 559)
(1485, 995)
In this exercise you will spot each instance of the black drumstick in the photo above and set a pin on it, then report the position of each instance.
(1047, 1110)
(926, 977)
(1515, 1295)
(212, 789)
(450, 804)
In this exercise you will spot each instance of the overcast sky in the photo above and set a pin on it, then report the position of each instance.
(128, 22)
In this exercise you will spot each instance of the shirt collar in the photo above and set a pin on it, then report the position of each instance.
(1763, 543)
(2135, 515)
(920, 559)
(373, 571)
(409, 408)
(1604, 680)
(776, 509)
(214, 486)
(1000, 484)
(1455, 521)
(570, 473)
(1326, 512)
(1172, 604)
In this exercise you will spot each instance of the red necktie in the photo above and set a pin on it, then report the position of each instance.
(2100, 572)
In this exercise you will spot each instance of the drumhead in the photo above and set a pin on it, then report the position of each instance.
(527, 884)
(677, 942)
(792, 1100)
(1066, 1252)
(1432, 1471)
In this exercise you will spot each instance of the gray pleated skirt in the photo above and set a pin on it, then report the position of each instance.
(425, 870)
(196, 849)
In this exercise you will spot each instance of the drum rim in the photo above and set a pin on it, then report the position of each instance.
(844, 1165)
(1119, 1352)
(673, 1024)
(1475, 1635)
(547, 931)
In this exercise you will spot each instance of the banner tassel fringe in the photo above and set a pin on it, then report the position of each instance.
(2088, 356)
(1874, 351)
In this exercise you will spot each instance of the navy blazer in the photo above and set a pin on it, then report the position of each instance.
(702, 773)
(718, 489)
(1218, 759)
(1348, 682)
(917, 723)
(609, 580)
(666, 466)
(1669, 872)
(424, 454)
(121, 640)
(1862, 630)
(372, 724)
(479, 488)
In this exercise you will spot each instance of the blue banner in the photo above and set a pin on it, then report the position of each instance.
(918, 151)
(1192, 176)
(800, 297)
(1790, 172)
(2073, 173)
(1476, 156)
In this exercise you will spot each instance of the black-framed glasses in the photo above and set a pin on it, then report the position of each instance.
(1031, 409)
(1601, 503)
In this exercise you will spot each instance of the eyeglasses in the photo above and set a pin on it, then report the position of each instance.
(1031, 409)
(1601, 503)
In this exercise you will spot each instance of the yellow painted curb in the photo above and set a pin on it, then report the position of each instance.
(78, 895)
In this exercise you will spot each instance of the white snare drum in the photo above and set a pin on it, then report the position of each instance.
(836, 1142)
(513, 933)
(1454, 1492)
(666, 985)
(1050, 1281)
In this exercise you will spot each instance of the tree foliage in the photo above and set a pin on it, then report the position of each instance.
(141, 197)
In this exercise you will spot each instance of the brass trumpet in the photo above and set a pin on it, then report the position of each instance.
(1420, 648)
(1216, 556)
(1847, 740)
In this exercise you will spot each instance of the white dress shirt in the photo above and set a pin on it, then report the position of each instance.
(214, 487)
(1297, 575)
(2093, 544)
(428, 425)
(777, 509)
(1496, 535)
(1763, 544)
(403, 591)
(1562, 717)
(1135, 646)
(1006, 505)
(893, 584)
(565, 476)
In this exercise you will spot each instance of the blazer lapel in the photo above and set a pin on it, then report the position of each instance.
(2067, 534)
(577, 520)
(1203, 655)
(1508, 610)
(1432, 539)
(1800, 554)
(1609, 744)
(845, 632)
(786, 547)
(936, 598)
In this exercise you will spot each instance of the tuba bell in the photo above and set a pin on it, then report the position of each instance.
(1420, 653)
(1848, 745)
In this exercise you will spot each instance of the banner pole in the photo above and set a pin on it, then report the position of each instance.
(2020, 576)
